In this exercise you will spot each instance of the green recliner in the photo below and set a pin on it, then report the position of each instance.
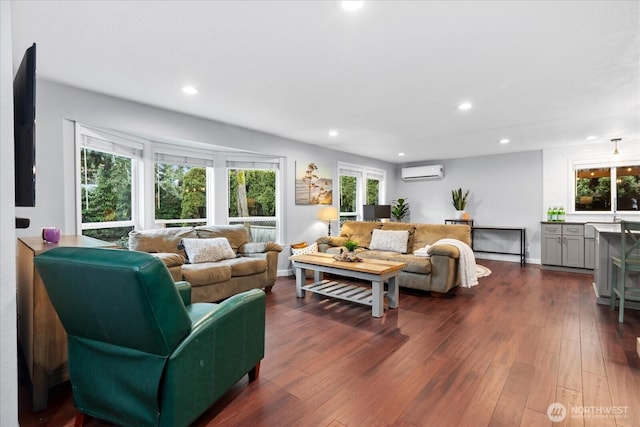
(139, 352)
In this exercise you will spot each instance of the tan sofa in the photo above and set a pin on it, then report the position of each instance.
(255, 265)
(436, 273)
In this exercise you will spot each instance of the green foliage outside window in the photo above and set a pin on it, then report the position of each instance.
(347, 193)
(106, 187)
(252, 192)
(594, 189)
(373, 191)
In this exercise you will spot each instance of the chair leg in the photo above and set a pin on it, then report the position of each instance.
(268, 289)
(81, 419)
(621, 296)
(254, 372)
(614, 285)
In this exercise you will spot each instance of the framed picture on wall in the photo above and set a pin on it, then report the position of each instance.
(314, 185)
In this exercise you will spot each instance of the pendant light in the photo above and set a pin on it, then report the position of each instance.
(615, 141)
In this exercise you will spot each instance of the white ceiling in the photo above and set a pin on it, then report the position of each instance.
(388, 78)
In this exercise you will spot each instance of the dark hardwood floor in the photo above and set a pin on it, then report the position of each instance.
(495, 355)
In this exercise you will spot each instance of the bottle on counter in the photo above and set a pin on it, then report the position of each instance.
(549, 214)
(554, 214)
(561, 214)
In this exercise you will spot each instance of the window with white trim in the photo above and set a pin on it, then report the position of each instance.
(183, 179)
(108, 184)
(253, 189)
(359, 185)
(607, 188)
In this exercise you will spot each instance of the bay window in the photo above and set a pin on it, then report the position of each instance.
(253, 187)
(108, 176)
(182, 186)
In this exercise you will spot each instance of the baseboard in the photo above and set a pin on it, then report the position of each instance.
(284, 273)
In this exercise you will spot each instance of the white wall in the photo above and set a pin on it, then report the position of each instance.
(505, 190)
(558, 179)
(59, 105)
(8, 347)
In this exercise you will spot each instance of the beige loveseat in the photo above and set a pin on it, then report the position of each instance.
(436, 273)
(255, 264)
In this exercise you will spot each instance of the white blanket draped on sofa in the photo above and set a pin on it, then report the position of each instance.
(466, 264)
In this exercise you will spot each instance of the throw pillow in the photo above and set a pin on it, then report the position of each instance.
(311, 249)
(395, 241)
(207, 250)
(299, 245)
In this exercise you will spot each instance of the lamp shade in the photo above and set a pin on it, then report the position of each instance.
(329, 213)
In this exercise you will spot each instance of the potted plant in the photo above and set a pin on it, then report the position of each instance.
(351, 245)
(459, 200)
(400, 209)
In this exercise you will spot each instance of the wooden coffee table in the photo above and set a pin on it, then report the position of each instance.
(376, 271)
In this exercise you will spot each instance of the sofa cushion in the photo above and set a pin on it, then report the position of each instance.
(236, 234)
(359, 231)
(207, 250)
(206, 273)
(389, 240)
(244, 266)
(428, 234)
(160, 240)
(415, 264)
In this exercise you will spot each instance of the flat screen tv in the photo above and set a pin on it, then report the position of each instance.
(24, 127)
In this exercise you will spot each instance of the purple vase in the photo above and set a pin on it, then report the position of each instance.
(51, 234)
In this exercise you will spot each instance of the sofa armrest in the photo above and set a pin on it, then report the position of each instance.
(326, 242)
(184, 289)
(170, 259)
(444, 250)
(259, 248)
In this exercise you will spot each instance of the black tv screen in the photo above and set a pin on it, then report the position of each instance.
(24, 128)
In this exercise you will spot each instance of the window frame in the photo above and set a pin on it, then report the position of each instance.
(257, 163)
(612, 166)
(112, 144)
(362, 174)
(184, 156)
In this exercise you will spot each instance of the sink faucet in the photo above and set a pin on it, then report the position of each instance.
(616, 217)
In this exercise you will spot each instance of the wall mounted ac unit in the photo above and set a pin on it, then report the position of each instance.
(422, 172)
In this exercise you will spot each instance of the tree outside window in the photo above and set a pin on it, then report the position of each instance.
(252, 202)
(373, 191)
(106, 195)
(180, 193)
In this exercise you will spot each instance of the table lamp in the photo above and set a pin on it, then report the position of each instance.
(328, 214)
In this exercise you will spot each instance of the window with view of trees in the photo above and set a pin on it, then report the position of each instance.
(106, 195)
(358, 186)
(607, 189)
(180, 194)
(253, 201)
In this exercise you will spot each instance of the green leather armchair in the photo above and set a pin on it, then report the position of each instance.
(139, 353)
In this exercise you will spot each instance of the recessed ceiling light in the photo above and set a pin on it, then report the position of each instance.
(189, 90)
(400, 154)
(333, 133)
(351, 5)
(465, 106)
(504, 141)
(591, 138)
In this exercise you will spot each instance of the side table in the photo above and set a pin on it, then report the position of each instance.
(42, 338)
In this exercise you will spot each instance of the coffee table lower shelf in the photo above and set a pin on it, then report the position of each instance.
(343, 291)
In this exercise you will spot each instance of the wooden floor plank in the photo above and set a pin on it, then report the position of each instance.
(497, 354)
(570, 365)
